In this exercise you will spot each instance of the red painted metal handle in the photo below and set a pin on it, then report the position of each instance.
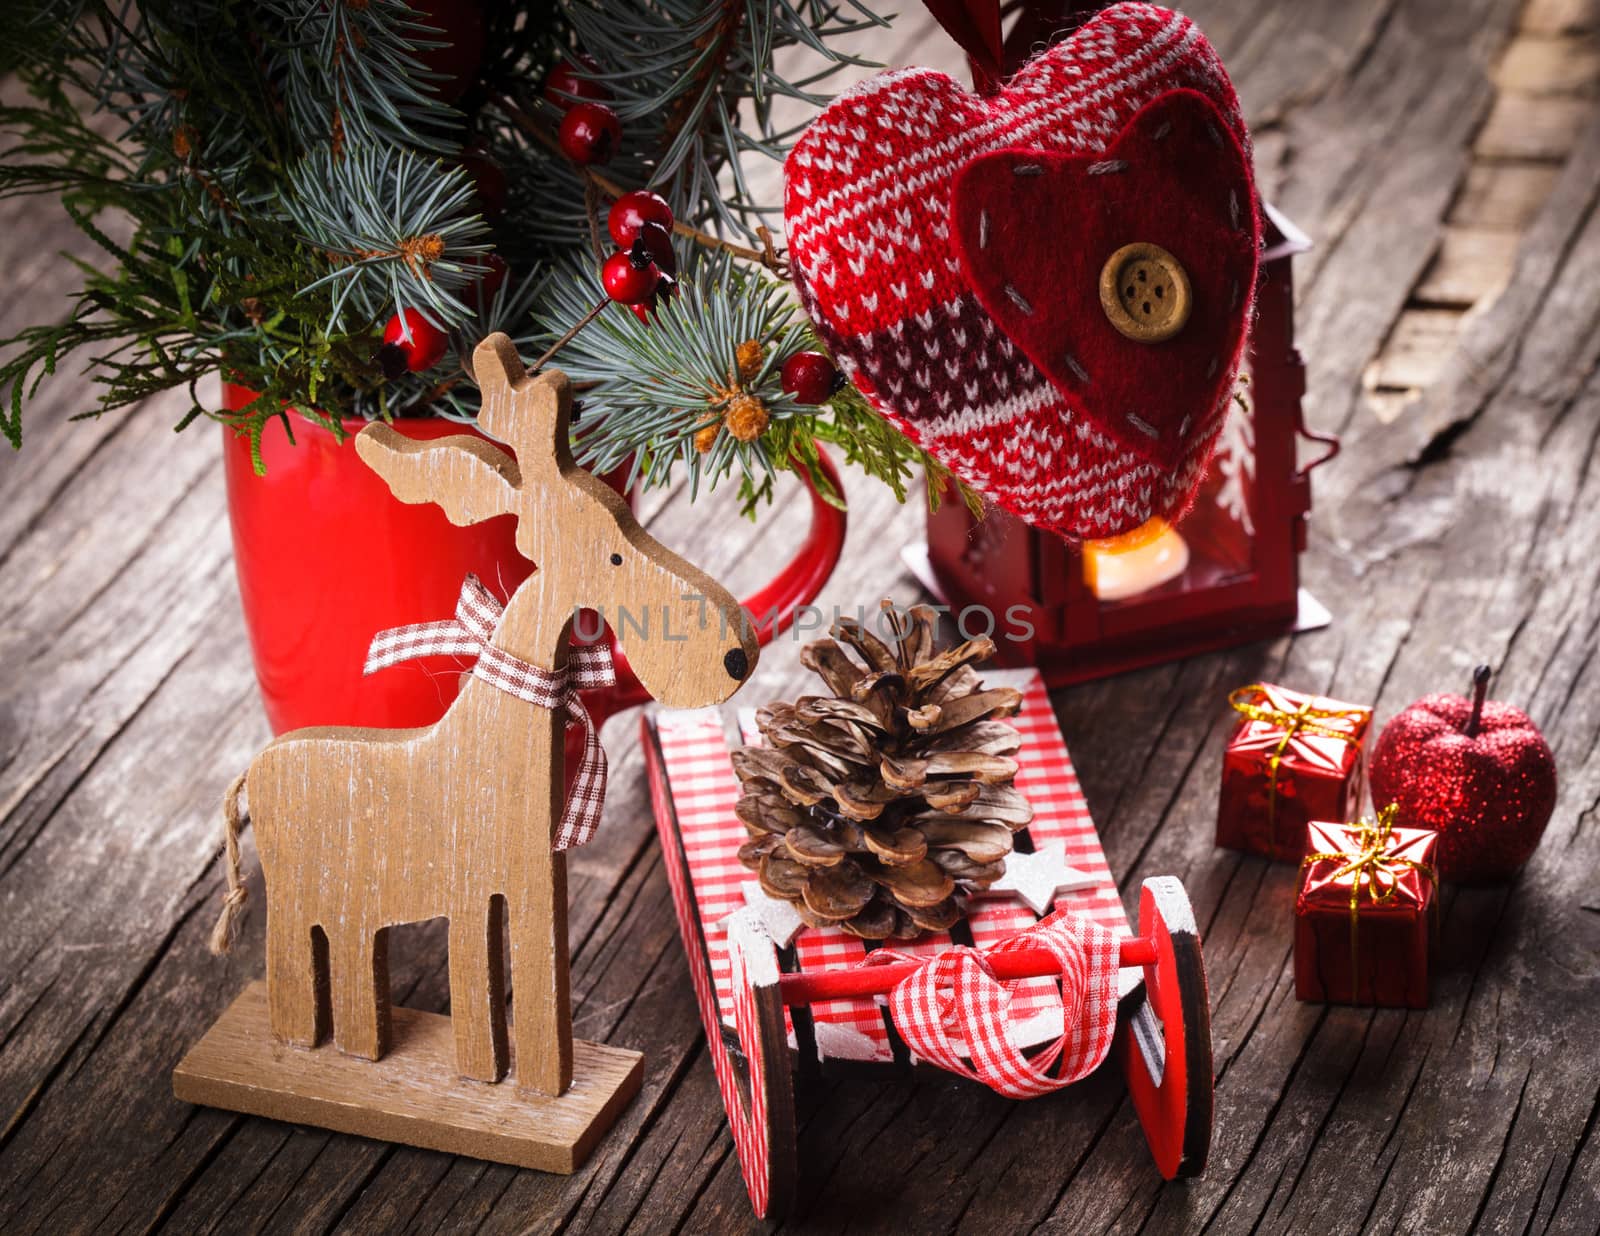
(774, 607)
(880, 980)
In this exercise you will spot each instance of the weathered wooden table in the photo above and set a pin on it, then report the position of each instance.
(1445, 155)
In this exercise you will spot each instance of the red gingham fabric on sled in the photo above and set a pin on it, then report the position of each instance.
(953, 1007)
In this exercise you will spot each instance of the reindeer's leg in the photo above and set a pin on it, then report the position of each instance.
(543, 1019)
(478, 989)
(361, 991)
(297, 979)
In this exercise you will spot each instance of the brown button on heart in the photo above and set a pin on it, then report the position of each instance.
(1145, 292)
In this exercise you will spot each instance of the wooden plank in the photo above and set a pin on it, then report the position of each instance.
(1525, 126)
(1537, 64)
(1389, 405)
(1472, 265)
(1416, 352)
(1503, 196)
(1374, 204)
(1560, 16)
(413, 1095)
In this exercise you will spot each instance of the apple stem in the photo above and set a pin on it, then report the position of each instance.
(1480, 691)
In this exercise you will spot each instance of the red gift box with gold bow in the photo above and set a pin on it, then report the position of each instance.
(1292, 759)
(1366, 916)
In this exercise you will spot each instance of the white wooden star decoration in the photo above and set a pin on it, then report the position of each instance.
(781, 919)
(1039, 877)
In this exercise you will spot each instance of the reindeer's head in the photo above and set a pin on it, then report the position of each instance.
(686, 636)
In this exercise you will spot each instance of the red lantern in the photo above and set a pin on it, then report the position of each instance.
(1229, 576)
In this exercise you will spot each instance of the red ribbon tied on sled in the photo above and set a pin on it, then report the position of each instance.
(468, 635)
(953, 1009)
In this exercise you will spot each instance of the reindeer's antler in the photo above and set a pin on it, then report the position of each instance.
(472, 480)
(529, 413)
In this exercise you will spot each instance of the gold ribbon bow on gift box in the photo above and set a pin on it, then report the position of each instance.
(1302, 720)
(1373, 866)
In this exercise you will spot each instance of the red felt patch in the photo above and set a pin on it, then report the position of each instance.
(1034, 231)
(880, 268)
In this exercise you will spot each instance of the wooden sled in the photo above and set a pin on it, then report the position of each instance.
(777, 1014)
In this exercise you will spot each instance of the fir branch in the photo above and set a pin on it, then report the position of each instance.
(284, 173)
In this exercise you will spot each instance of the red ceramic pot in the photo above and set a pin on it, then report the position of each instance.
(326, 557)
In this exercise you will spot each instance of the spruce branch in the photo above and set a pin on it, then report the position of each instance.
(682, 71)
(287, 178)
(594, 180)
(397, 226)
(670, 394)
(351, 77)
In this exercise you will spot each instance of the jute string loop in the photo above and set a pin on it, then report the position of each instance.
(233, 901)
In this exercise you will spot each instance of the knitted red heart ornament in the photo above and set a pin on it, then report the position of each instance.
(950, 249)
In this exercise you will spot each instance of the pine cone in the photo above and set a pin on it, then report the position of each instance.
(880, 806)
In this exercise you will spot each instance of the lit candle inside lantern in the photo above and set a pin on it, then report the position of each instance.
(1116, 567)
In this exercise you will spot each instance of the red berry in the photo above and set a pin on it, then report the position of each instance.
(632, 211)
(416, 340)
(566, 84)
(811, 377)
(488, 181)
(627, 282)
(642, 215)
(643, 311)
(488, 283)
(590, 133)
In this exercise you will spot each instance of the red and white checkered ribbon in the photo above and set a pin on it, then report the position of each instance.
(468, 635)
(954, 1009)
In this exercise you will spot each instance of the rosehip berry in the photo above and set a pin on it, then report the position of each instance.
(590, 133)
(627, 282)
(565, 85)
(632, 211)
(643, 311)
(413, 341)
(811, 377)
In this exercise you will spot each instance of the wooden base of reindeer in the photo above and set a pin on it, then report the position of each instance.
(412, 1095)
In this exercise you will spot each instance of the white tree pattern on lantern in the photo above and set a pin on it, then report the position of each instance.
(1235, 462)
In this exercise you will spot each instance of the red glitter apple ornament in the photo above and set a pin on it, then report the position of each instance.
(1477, 771)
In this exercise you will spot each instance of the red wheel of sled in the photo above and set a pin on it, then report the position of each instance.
(1165, 1045)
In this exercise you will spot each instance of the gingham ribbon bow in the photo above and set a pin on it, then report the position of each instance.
(953, 1008)
(468, 635)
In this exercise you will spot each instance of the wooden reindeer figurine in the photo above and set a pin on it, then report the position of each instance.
(362, 829)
